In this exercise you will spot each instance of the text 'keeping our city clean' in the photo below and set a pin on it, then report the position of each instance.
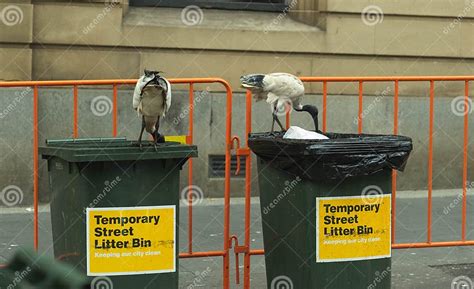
(131, 240)
(353, 228)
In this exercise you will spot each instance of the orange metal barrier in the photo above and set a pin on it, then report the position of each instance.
(224, 253)
(245, 152)
(248, 252)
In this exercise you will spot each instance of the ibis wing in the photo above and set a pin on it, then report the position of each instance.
(271, 97)
(137, 93)
(167, 97)
(284, 85)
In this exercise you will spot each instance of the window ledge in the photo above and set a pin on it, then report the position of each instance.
(216, 19)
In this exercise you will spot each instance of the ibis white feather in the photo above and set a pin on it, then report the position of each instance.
(152, 100)
(276, 88)
(144, 89)
(279, 90)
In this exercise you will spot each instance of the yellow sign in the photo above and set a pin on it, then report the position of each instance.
(131, 240)
(353, 228)
(182, 139)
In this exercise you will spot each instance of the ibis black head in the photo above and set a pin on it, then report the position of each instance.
(149, 73)
(252, 80)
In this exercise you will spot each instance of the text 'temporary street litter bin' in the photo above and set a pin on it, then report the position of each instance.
(115, 209)
(326, 208)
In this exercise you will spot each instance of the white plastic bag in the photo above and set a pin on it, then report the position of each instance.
(295, 132)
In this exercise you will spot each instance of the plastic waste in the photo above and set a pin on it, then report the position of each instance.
(296, 132)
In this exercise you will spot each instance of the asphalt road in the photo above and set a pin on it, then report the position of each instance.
(411, 268)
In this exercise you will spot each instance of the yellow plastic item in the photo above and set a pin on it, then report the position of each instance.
(176, 138)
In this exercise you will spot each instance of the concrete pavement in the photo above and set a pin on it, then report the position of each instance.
(412, 268)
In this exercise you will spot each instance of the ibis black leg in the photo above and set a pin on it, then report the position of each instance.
(279, 123)
(275, 119)
(141, 132)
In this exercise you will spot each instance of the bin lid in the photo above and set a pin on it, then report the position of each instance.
(114, 149)
(339, 157)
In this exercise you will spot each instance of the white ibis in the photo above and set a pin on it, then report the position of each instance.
(152, 100)
(279, 90)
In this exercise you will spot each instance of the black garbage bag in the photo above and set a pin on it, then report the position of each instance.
(341, 156)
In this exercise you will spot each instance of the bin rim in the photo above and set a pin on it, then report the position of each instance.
(114, 149)
(338, 143)
(342, 155)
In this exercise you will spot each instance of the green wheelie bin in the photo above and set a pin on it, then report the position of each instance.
(115, 208)
(326, 208)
